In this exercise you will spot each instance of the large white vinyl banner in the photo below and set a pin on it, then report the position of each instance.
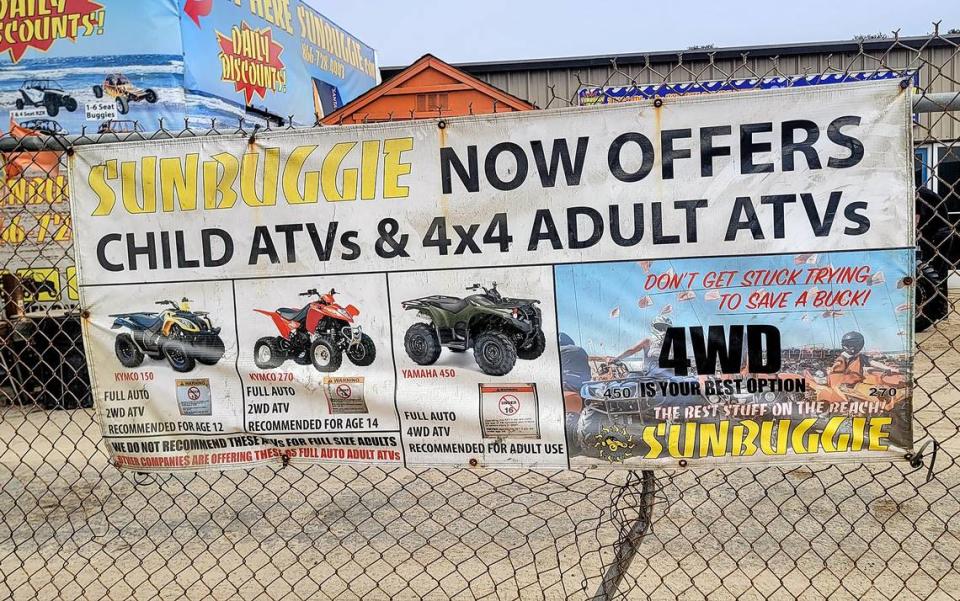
(713, 279)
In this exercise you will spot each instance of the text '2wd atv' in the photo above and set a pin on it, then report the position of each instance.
(319, 333)
(179, 334)
(498, 329)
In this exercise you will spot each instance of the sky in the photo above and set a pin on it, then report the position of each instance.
(589, 294)
(457, 31)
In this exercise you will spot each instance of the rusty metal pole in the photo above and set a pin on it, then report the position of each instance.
(629, 543)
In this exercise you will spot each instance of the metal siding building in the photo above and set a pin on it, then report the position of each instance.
(549, 83)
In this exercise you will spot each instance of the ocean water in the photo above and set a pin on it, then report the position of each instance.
(78, 76)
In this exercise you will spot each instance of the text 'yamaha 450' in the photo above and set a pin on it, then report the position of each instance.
(319, 333)
(182, 336)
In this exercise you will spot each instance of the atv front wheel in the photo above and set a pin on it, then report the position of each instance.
(98, 91)
(70, 103)
(495, 353)
(422, 344)
(363, 352)
(178, 356)
(267, 353)
(52, 106)
(19, 104)
(325, 355)
(534, 348)
(127, 351)
(211, 352)
(123, 105)
(150, 96)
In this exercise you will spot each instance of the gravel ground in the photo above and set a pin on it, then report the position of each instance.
(73, 527)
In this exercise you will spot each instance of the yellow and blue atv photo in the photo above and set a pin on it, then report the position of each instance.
(178, 334)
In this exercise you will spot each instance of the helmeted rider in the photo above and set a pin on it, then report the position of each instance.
(849, 368)
(650, 348)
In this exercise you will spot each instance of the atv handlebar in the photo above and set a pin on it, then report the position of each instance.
(311, 292)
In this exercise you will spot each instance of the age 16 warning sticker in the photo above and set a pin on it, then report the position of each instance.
(509, 411)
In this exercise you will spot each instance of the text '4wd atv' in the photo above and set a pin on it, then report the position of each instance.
(319, 333)
(122, 90)
(498, 329)
(179, 334)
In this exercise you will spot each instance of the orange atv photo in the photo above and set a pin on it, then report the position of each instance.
(855, 378)
(123, 91)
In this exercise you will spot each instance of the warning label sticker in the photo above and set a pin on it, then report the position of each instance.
(509, 411)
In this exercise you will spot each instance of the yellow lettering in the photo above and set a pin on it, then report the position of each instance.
(148, 185)
(877, 434)
(801, 446)
(713, 439)
(175, 178)
(271, 175)
(655, 447)
(215, 186)
(767, 446)
(393, 168)
(97, 180)
(329, 170)
(370, 152)
(291, 178)
(859, 426)
(829, 431)
(744, 438)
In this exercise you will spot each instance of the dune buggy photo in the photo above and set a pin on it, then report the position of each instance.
(123, 91)
(319, 333)
(498, 329)
(180, 335)
(46, 93)
(47, 127)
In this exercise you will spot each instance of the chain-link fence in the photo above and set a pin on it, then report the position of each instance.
(73, 526)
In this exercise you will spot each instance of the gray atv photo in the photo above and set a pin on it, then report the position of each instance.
(498, 329)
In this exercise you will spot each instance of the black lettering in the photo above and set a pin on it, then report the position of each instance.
(182, 261)
(690, 207)
(206, 236)
(102, 252)
(708, 151)
(656, 216)
(323, 250)
(262, 245)
(763, 358)
(743, 206)
(716, 348)
(559, 154)
(748, 148)
(469, 176)
(673, 353)
(150, 250)
(490, 166)
(615, 231)
(839, 138)
(789, 145)
(821, 226)
(544, 229)
(573, 229)
(670, 153)
(862, 221)
(614, 160)
(348, 241)
(778, 200)
(288, 230)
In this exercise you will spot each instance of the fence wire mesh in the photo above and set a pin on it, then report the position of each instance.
(72, 526)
